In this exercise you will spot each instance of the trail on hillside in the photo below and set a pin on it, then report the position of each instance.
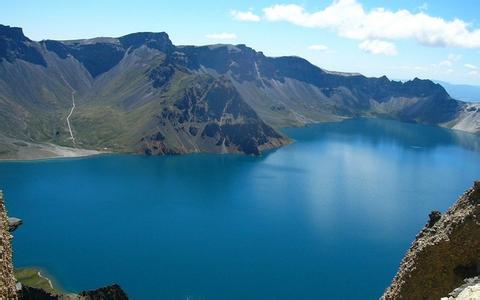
(68, 118)
(71, 111)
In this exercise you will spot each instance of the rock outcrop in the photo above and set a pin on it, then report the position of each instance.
(7, 279)
(13, 223)
(112, 292)
(444, 253)
(31, 293)
(468, 291)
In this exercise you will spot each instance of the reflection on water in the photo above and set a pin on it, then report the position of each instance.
(406, 135)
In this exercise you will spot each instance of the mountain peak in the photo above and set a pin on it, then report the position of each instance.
(156, 40)
(13, 33)
(15, 45)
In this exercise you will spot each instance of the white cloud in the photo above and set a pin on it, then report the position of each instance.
(246, 16)
(473, 69)
(450, 61)
(349, 19)
(454, 57)
(445, 63)
(224, 36)
(378, 47)
(318, 47)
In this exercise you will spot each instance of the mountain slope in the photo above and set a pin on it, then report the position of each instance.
(140, 93)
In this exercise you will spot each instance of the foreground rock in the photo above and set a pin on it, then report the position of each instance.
(7, 280)
(13, 223)
(444, 253)
(469, 290)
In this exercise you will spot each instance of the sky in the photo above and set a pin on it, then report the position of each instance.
(437, 40)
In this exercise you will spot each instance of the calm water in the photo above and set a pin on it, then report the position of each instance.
(329, 216)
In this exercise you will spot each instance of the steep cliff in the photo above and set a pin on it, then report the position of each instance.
(7, 279)
(444, 253)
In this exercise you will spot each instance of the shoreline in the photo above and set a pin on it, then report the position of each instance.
(57, 157)
(38, 277)
(44, 152)
(22, 151)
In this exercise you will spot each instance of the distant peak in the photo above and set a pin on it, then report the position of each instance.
(14, 33)
(156, 40)
(146, 35)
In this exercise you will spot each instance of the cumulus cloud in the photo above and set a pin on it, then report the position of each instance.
(224, 36)
(245, 16)
(378, 47)
(318, 48)
(349, 19)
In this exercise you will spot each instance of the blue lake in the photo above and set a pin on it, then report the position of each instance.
(329, 216)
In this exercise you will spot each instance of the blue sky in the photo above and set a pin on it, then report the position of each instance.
(401, 39)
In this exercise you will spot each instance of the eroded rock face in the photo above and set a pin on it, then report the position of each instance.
(210, 117)
(444, 253)
(7, 279)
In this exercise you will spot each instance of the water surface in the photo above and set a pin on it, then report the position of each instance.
(329, 216)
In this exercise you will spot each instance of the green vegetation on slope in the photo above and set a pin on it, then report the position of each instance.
(33, 277)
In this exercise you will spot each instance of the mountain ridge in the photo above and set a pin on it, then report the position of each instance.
(128, 91)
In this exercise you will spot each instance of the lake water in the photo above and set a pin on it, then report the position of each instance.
(328, 217)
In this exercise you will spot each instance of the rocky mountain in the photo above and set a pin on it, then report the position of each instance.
(443, 255)
(140, 93)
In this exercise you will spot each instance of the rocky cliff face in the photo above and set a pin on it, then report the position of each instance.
(444, 253)
(7, 279)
